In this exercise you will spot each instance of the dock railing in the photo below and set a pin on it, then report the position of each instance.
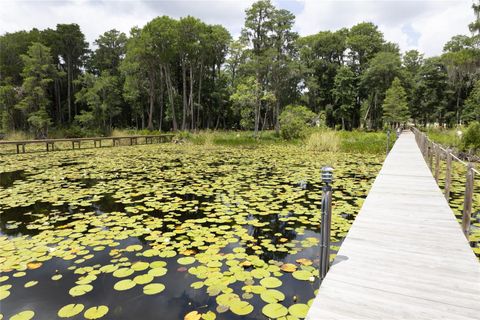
(97, 141)
(434, 153)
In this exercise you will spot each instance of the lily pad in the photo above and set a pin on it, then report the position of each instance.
(192, 315)
(24, 315)
(274, 310)
(272, 296)
(186, 260)
(80, 290)
(153, 288)
(302, 275)
(96, 312)
(70, 310)
(241, 308)
(271, 282)
(30, 284)
(123, 285)
(299, 310)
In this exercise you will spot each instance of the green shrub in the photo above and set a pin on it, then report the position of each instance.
(471, 139)
(294, 121)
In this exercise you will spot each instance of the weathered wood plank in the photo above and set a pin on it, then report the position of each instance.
(405, 256)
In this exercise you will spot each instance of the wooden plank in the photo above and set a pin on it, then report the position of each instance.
(405, 256)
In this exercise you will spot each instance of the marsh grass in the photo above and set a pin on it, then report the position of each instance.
(446, 137)
(365, 142)
(18, 135)
(323, 141)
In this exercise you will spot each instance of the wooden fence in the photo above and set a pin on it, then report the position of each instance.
(434, 153)
(97, 141)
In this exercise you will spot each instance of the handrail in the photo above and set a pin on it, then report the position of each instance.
(443, 149)
(49, 143)
(430, 150)
(83, 139)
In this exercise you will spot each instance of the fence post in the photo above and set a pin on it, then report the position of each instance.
(430, 155)
(467, 203)
(437, 162)
(326, 220)
(448, 175)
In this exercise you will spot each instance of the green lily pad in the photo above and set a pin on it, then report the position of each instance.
(186, 260)
(302, 275)
(299, 310)
(70, 310)
(272, 296)
(123, 285)
(80, 290)
(271, 282)
(274, 310)
(30, 284)
(241, 308)
(4, 294)
(140, 266)
(157, 272)
(96, 312)
(143, 279)
(24, 315)
(153, 288)
(123, 272)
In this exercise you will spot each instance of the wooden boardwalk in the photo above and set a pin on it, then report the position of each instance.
(405, 256)
(97, 141)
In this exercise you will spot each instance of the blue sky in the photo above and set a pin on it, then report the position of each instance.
(414, 24)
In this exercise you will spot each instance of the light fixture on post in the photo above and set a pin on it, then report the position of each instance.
(326, 220)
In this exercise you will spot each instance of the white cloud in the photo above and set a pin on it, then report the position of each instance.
(414, 24)
(96, 17)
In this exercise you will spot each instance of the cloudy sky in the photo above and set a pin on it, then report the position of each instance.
(414, 24)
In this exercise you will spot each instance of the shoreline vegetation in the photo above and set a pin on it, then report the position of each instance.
(187, 75)
(314, 139)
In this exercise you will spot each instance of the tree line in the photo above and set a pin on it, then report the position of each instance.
(184, 74)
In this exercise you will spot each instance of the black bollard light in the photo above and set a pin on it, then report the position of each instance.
(326, 221)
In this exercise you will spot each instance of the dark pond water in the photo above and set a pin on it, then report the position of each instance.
(241, 214)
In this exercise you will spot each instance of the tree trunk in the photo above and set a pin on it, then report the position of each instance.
(151, 96)
(69, 89)
(200, 94)
(192, 114)
(160, 101)
(171, 99)
(184, 86)
(458, 105)
(277, 117)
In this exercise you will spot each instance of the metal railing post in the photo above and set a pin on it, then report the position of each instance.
(326, 221)
(467, 203)
(388, 140)
(448, 175)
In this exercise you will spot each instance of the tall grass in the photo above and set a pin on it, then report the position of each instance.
(445, 137)
(365, 142)
(18, 135)
(322, 141)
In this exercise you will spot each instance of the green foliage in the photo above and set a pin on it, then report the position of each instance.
(294, 121)
(185, 74)
(8, 100)
(102, 95)
(471, 138)
(344, 92)
(472, 104)
(395, 107)
(365, 142)
(37, 73)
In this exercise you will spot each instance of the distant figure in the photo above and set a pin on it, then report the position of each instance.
(399, 131)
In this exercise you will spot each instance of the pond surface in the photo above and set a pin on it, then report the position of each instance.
(165, 231)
